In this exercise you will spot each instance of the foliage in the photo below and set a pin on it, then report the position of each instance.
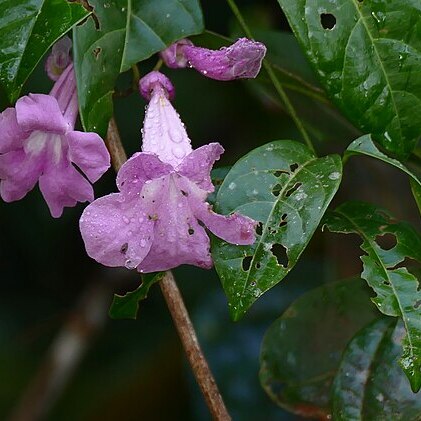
(345, 77)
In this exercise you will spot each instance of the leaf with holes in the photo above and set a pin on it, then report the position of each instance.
(126, 306)
(285, 187)
(28, 28)
(367, 54)
(369, 384)
(128, 32)
(387, 244)
(297, 377)
(365, 146)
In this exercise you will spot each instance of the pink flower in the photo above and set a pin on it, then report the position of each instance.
(241, 60)
(38, 143)
(157, 220)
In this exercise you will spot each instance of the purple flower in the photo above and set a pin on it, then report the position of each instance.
(156, 221)
(38, 143)
(59, 58)
(241, 60)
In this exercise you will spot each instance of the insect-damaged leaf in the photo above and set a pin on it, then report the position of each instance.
(369, 385)
(397, 289)
(367, 54)
(287, 189)
(126, 306)
(28, 28)
(128, 32)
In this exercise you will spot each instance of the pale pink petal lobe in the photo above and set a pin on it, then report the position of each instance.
(198, 164)
(64, 187)
(116, 232)
(88, 152)
(40, 112)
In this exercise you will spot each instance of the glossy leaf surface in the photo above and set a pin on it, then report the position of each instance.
(28, 28)
(301, 350)
(369, 384)
(126, 306)
(128, 32)
(397, 289)
(285, 187)
(367, 56)
(365, 146)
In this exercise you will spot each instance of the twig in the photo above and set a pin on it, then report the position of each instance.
(278, 86)
(178, 309)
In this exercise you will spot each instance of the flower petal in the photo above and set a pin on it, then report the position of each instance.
(198, 164)
(138, 169)
(243, 59)
(40, 112)
(11, 133)
(179, 239)
(62, 186)
(116, 232)
(19, 173)
(88, 152)
(163, 131)
(234, 228)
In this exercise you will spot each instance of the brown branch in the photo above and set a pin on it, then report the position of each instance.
(192, 348)
(178, 309)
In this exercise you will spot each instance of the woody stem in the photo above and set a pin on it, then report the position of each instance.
(177, 308)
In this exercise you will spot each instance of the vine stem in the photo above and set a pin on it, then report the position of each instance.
(177, 308)
(275, 81)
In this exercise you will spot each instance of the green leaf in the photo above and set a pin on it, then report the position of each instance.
(367, 56)
(365, 146)
(369, 384)
(285, 187)
(127, 306)
(217, 176)
(28, 28)
(129, 32)
(301, 350)
(397, 289)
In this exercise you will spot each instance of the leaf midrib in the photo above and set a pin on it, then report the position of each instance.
(386, 272)
(362, 19)
(264, 231)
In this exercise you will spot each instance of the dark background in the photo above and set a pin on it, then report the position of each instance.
(132, 370)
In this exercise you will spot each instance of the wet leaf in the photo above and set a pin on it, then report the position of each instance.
(28, 28)
(365, 146)
(367, 55)
(126, 306)
(285, 187)
(369, 384)
(301, 350)
(387, 243)
(128, 32)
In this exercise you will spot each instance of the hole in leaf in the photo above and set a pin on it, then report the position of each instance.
(417, 304)
(124, 248)
(280, 252)
(96, 52)
(246, 263)
(328, 21)
(257, 265)
(293, 167)
(283, 221)
(293, 189)
(259, 228)
(386, 241)
(276, 189)
(279, 173)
